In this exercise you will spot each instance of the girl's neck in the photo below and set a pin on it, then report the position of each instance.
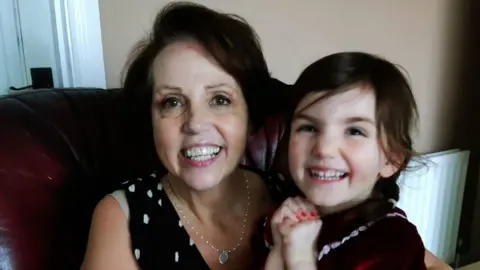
(333, 209)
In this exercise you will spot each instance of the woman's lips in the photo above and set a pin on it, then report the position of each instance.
(201, 155)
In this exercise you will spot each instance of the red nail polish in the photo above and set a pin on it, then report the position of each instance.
(313, 214)
(303, 214)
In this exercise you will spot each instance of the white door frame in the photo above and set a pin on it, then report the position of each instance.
(12, 58)
(79, 43)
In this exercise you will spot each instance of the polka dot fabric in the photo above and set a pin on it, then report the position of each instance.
(158, 238)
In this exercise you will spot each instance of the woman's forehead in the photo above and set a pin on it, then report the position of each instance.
(187, 64)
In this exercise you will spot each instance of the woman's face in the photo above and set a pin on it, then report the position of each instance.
(199, 116)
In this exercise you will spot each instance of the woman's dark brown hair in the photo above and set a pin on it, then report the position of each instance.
(229, 39)
(396, 111)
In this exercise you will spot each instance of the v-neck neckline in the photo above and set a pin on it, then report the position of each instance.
(171, 211)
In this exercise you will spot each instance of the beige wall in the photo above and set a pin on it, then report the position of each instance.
(419, 35)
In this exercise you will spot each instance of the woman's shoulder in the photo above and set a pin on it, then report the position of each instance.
(136, 193)
(141, 183)
(279, 187)
(120, 197)
(108, 238)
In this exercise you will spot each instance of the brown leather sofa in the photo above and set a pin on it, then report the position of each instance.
(61, 151)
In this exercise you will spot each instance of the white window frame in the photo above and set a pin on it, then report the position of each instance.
(79, 43)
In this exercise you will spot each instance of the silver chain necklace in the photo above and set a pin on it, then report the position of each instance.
(224, 253)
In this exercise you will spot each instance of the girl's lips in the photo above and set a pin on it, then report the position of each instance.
(325, 168)
(326, 175)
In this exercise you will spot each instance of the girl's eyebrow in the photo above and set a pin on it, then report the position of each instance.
(304, 116)
(356, 119)
(348, 120)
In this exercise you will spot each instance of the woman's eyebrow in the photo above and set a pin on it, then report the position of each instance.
(219, 85)
(161, 87)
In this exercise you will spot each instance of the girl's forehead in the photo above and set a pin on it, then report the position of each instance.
(357, 100)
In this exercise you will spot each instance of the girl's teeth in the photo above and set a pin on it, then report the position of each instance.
(328, 175)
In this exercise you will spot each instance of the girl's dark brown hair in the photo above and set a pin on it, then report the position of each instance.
(228, 38)
(396, 111)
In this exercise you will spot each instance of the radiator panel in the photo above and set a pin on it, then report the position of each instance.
(432, 198)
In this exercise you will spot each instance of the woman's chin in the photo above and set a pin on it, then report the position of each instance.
(201, 182)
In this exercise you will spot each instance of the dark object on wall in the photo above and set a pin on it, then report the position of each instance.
(42, 78)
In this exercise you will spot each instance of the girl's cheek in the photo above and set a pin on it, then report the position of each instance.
(295, 148)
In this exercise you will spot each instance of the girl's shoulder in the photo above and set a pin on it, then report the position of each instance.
(390, 242)
(392, 227)
(396, 226)
(396, 241)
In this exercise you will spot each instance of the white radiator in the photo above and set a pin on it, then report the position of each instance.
(432, 199)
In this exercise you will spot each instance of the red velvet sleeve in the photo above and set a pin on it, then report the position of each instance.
(392, 243)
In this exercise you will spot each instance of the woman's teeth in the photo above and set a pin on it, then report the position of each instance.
(330, 175)
(201, 153)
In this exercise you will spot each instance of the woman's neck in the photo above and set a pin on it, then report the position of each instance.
(227, 198)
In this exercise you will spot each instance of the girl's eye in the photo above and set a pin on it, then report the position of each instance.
(306, 128)
(220, 101)
(170, 103)
(353, 131)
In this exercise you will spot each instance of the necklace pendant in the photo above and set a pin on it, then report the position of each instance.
(223, 257)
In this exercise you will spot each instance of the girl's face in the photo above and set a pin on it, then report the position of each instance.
(335, 154)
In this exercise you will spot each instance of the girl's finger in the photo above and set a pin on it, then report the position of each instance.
(312, 210)
(286, 227)
(304, 209)
(284, 212)
(297, 208)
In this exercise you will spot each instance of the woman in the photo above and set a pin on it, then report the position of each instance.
(202, 80)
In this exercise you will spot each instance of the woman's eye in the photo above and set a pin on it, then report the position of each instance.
(306, 128)
(353, 131)
(170, 103)
(220, 101)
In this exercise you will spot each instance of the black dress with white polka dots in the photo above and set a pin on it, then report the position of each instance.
(158, 238)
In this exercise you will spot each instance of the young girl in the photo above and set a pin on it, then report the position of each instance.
(349, 141)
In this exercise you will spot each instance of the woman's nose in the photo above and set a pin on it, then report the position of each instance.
(196, 120)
